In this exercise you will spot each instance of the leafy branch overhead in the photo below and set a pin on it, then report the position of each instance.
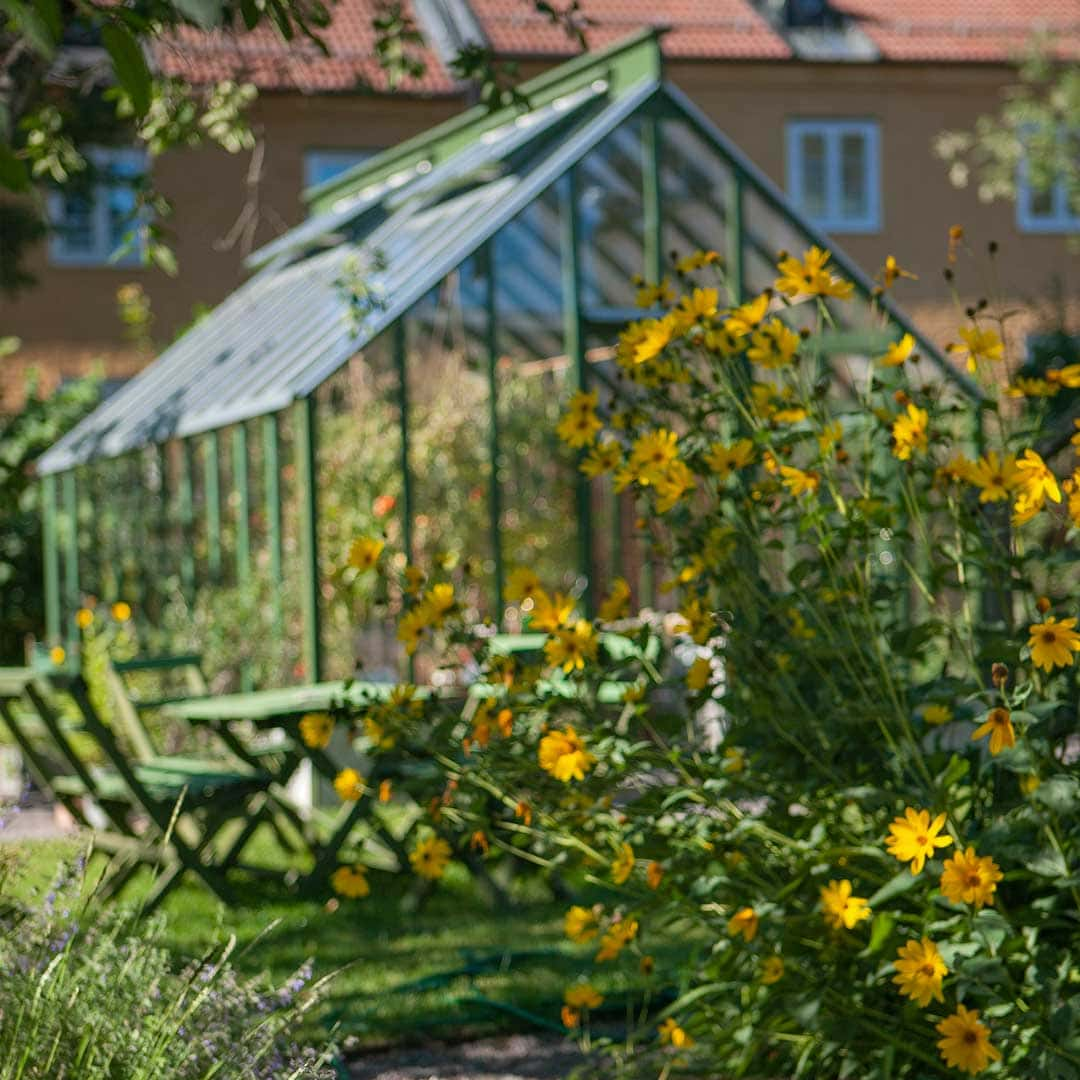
(78, 74)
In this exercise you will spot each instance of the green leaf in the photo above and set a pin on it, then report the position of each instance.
(161, 255)
(14, 174)
(205, 13)
(1059, 794)
(1047, 863)
(49, 13)
(28, 22)
(129, 64)
(901, 883)
(880, 930)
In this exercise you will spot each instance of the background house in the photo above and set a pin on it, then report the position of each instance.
(838, 102)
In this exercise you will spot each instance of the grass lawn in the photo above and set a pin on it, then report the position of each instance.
(520, 958)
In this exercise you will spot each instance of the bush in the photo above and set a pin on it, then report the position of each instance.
(94, 995)
(849, 784)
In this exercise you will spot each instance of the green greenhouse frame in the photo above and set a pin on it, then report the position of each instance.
(402, 222)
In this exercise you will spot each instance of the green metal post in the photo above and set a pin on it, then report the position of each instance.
(212, 499)
(187, 521)
(70, 496)
(401, 363)
(494, 489)
(51, 555)
(305, 415)
(733, 213)
(243, 504)
(574, 342)
(272, 492)
(160, 549)
(652, 198)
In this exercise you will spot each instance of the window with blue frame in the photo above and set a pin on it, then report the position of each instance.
(833, 173)
(1045, 204)
(94, 218)
(323, 165)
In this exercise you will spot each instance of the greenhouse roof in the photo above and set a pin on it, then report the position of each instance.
(398, 225)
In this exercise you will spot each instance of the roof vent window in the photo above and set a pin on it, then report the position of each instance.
(810, 13)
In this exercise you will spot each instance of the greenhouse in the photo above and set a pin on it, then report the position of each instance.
(484, 268)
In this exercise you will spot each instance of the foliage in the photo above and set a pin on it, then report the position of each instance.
(850, 767)
(1036, 126)
(23, 436)
(95, 994)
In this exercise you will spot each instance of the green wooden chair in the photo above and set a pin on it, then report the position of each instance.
(168, 812)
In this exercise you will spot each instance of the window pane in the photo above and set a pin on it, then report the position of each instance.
(323, 165)
(813, 194)
(1041, 202)
(120, 201)
(76, 224)
(854, 174)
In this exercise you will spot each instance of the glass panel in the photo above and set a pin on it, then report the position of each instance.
(323, 165)
(1041, 202)
(537, 472)
(610, 214)
(813, 198)
(121, 216)
(76, 225)
(854, 177)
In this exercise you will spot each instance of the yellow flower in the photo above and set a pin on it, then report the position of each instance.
(364, 553)
(411, 627)
(1024, 386)
(622, 866)
(798, 481)
(727, 340)
(700, 304)
(914, 838)
(550, 612)
(438, 603)
(970, 879)
(773, 345)
(1029, 783)
(810, 277)
(414, 579)
(689, 263)
(316, 729)
(898, 352)
(386, 790)
(522, 584)
(909, 432)
(377, 734)
(979, 345)
(602, 458)
(57, 655)
(617, 937)
(83, 618)
(772, 970)
(998, 725)
(617, 603)
(570, 648)
(994, 476)
(652, 453)
(842, 910)
(580, 925)
(891, 271)
(650, 295)
(965, 1042)
(582, 996)
(1036, 484)
(723, 459)
(745, 922)
(745, 317)
(1053, 642)
(563, 754)
(672, 484)
(349, 785)
(634, 694)
(121, 611)
(654, 874)
(956, 469)
(350, 881)
(579, 425)
(673, 1035)
(429, 857)
(936, 714)
(698, 621)
(697, 678)
(734, 759)
(919, 971)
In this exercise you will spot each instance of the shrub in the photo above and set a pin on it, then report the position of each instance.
(849, 784)
(94, 994)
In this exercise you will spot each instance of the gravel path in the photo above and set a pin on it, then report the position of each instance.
(508, 1057)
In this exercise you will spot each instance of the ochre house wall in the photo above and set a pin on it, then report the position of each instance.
(71, 316)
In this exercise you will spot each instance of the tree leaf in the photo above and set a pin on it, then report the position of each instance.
(13, 172)
(129, 64)
(205, 13)
(32, 26)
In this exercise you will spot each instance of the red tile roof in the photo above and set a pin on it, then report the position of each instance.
(700, 29)
(933, 31)
(969, 31)
(261, 57)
